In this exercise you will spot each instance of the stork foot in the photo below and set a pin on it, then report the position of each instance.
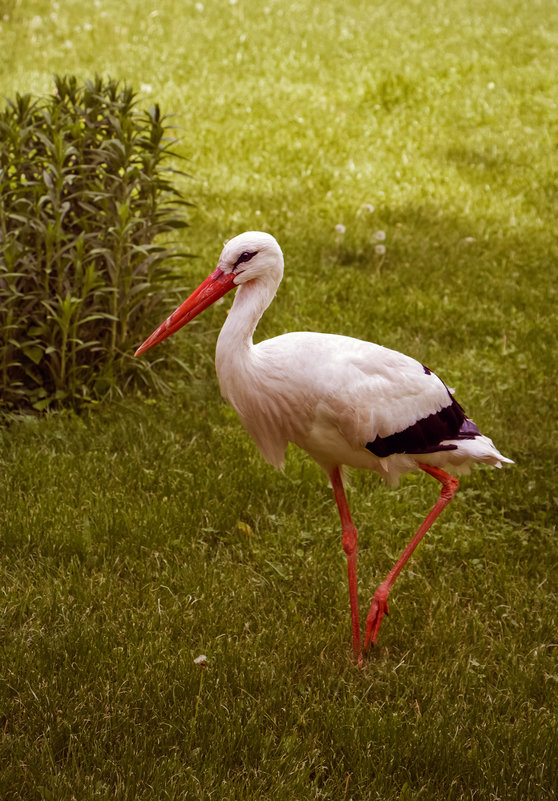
(378, 609)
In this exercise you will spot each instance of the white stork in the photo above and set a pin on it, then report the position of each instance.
(344, 401)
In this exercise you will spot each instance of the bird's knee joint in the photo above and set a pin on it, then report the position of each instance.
(349, 540)
(449, 488)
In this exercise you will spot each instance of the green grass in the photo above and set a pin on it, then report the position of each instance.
(150, 531)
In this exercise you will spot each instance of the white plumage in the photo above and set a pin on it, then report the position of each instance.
(343, 400)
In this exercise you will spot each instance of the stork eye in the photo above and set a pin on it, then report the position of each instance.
(246, 256)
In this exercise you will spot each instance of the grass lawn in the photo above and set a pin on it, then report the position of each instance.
(149, 531)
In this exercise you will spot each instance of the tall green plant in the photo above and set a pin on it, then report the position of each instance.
(85, 195)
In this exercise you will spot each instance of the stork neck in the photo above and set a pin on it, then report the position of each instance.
(250, 302)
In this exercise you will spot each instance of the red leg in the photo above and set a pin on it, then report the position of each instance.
(379, 605)
(350, 548)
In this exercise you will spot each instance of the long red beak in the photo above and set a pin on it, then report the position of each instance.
(214, 287)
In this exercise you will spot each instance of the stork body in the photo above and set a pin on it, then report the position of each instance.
(345, 401)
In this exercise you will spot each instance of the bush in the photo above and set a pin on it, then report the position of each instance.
(84, 194)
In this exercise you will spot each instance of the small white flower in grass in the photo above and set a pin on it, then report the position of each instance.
(199, 7)
(340, 229)
(380, 236)
(201, 660)
(380, 250)
(368, 207)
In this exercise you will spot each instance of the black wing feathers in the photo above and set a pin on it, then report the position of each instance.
(426, 435)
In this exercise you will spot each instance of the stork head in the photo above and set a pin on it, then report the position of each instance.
(253, 254)
(247, 257)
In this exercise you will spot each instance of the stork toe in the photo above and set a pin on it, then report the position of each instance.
(378, 609)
